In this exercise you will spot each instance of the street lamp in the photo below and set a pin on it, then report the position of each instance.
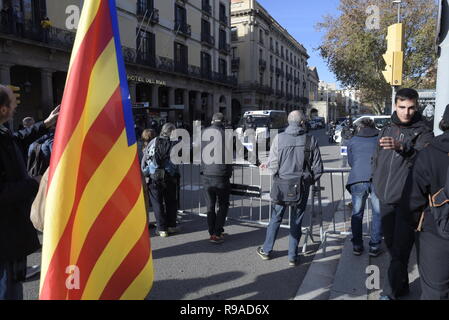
(398, 2)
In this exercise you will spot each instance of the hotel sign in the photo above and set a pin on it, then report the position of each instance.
(146, 80)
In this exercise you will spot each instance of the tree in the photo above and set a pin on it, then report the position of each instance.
(353, 51)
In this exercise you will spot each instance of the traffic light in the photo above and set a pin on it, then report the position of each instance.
(394, 57)
(16, 91)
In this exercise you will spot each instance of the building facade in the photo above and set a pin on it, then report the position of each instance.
(313, 83)
(270, 65)
(177, 55)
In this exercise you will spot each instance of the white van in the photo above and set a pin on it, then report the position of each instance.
(262, 121)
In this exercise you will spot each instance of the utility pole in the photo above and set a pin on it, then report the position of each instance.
(442, 99)
(393, 87)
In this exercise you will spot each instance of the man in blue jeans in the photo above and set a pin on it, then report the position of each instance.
(361, 149)
(294, 156)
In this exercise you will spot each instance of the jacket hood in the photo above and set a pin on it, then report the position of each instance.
(442, 142)
(416, 120)
(368, 133)
(294, 130)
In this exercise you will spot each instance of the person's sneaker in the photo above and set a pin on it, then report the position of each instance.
(215, 239)
(294, 262)
(357, 251)
(174, 230)
(163, 234)
(374, 251)
(223, 235)
(263, 255)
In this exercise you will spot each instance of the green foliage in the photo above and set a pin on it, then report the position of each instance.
(354, 53)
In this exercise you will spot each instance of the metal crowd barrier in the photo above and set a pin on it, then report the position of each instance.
(250, 200)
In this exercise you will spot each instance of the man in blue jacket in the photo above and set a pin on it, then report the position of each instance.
(361, 149)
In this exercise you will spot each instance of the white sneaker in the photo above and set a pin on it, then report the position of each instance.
(163, 234)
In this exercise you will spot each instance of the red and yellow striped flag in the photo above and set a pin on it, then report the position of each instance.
(96, 240)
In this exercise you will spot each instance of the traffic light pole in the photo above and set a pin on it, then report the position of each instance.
(442, 99)
(393, 96)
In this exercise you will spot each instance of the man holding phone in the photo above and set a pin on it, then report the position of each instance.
(398, 146)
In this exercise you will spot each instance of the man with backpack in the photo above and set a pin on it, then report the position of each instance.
(163, 177)
(295, 161)
(399, 144)
(425, 206)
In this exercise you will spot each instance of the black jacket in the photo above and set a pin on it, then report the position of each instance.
(218, 167)
(427, 178)
(18, 238)
(390, 167)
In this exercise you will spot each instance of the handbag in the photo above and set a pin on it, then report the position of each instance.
(37, 213)
(290, 191)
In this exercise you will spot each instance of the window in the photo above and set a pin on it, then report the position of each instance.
(234, 34)
(261, 79)
(145, 6)
(181, 58)
(261, 36)
(206, 64)
(180, 18)
(234, 52)
(205, 31)
(146, 49)
(223, 17)
(260, 54)
(271, 43)
(271, 60)
(271, 82)
(222, 39)
(222, 68)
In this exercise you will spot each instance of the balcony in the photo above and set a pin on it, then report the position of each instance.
(234, 36)
(289, 77)
(137, 57)
(262, 64)
(296, 80)
(145, 13)
(279, 72)
(265, 90)
(50, 36)
(271, 69)
(207, 39)
(183, 28)
(235, 64)
(271, 48)
(206, 7)
(224, 48)
(279, 93)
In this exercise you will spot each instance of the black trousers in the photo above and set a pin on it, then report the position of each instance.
(399, 238)
(433, 265)
(164, 202)
(217, 190)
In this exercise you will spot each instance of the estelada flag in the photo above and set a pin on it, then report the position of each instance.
(96, 240)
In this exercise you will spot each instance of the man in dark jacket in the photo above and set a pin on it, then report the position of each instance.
(428, 177)
(361, 149)
(289, 161)
(216, 171)
(18, 238)
(399, 144)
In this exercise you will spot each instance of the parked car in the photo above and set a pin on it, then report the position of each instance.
(379, 121)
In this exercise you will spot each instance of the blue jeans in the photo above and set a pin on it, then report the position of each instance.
(10, 288)
(277, 213)
(360, 192)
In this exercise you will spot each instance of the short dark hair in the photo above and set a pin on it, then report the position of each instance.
(406, 94)
(4, 97)
(444, 126)
(366, 123)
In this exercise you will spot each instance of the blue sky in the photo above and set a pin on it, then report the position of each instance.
(299, 17)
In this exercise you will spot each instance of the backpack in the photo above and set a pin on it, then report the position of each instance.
(37, 161)
(291, 191)
(159, 154)
(439, 207)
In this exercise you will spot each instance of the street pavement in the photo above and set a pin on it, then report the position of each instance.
(188, 267)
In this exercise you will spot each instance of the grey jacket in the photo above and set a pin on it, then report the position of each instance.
(287, 155)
